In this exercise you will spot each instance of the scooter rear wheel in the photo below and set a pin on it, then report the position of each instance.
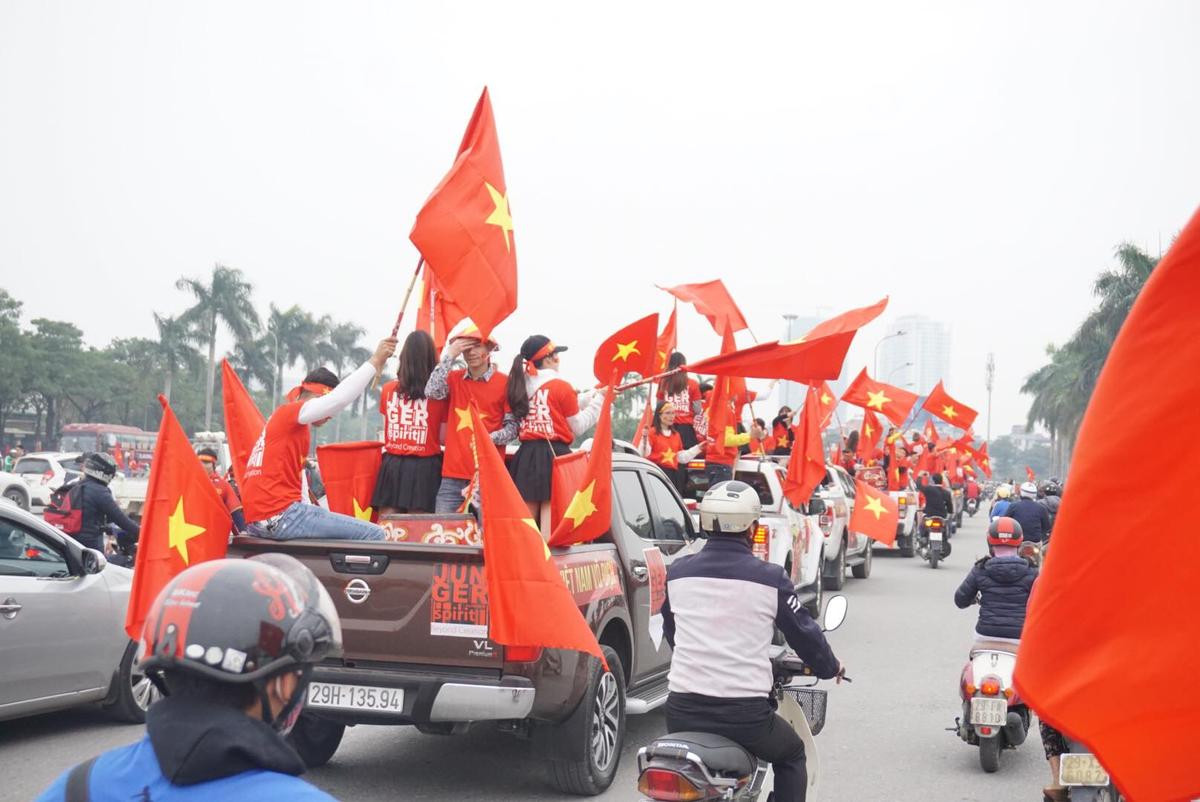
(989, 754)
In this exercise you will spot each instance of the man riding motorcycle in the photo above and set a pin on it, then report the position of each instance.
(1051, 498)
(938, 501)
(1001, 583)
(1032, 516)
(97, 502)
(721, 610)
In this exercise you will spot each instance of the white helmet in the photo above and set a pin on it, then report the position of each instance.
(729, 508)
(1028, 490)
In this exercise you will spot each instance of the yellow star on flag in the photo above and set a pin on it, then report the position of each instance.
(500, 216)
(624, 350)
(464, 418)
(867, 428)
(532, 524)
(662, 359)
(949, 412)
(668, 457)
(179, 531)
(876, 400)
(874, 505)
(360, 513)
(581, 505)
(825, 399)
(986, 463)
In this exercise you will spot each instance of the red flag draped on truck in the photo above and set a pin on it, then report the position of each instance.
(243, 422)
(588, 514)
(184, 521)
(465, 232)
(1104, 623)
(867, 393)
(528, 603)
(875, 514)
(948, 409)
(349, 471)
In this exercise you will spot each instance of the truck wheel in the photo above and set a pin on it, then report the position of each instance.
(835, 574)
(594, 733)
(15, 495)
(989, 754)
(908, 545)
(863, 569)
(134, 692)
(316, 739)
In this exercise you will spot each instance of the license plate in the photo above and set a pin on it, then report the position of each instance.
(935, 534)
(355, 697)
(1081, 770)
(989, 712)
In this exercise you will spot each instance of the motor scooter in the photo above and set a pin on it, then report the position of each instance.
(934, 544)
(972, 506)
(1084, 776)
(994, 717)
(703, 766)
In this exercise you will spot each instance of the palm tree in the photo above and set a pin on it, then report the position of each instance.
(225, 299)
(251, 359)
(340, 348)
(293, 335)
(174, 350)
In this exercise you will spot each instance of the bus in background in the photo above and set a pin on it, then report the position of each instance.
(130, 446)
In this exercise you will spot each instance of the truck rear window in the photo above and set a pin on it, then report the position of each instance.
(760, 484)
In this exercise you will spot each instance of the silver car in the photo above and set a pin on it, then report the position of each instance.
(62, 625)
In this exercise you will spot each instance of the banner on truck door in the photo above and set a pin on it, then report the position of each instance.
(458, 602)
(590, 575)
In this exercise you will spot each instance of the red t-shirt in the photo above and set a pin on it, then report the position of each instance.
(682, 401)
(226, 492)
(665, 448)
(549, 407)
(411, 426)
(272, 479)
(489, 396)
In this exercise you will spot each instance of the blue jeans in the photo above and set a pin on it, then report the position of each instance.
(303, 521)
(450, 494)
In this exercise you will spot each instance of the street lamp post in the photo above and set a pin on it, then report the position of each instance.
(990, 379)
(897, 333)
(897, 370)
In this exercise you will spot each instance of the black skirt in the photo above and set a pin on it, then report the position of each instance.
(532, 467)
(687, 433)
(408, 484)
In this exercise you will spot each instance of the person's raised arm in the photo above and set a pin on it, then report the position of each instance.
(438, 385)
(350, 388)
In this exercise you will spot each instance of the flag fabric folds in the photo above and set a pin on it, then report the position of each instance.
(985, 462)
(243, 422)
(953, 412)
(1083, 640)
(829, 403)
(528, 603)
(588, 514)
(712, 300)
(894, 403)
(875, 514)
(868, 436)
(184, 521)
(437, 315)
(667, 340)
(633, 349)
(349, 471)
(465, 232)
(806, 467)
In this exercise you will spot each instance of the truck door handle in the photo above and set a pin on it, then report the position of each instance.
(10, 608)
(639, 571)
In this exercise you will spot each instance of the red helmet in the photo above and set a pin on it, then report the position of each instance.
(1005, 532)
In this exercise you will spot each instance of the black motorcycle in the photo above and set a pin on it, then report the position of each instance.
(934, 543)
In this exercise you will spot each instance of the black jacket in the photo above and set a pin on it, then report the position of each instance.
(1003, 584)
(938, 501)
(99, 509)
(1033, 518)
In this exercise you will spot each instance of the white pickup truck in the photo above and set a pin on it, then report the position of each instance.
(843, 547)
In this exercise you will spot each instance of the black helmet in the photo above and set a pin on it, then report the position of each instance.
(242, 621)
(100, 466)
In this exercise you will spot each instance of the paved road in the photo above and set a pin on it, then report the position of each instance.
(904, 643)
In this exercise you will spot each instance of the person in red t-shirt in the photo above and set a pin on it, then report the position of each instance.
(273, 487)
(664, 447)
(551, 415)
(413, 429)
(781, 430)
(684, 394)
(480, 383)
(232, 503)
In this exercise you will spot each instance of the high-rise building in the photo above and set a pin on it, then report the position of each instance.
(917, 359)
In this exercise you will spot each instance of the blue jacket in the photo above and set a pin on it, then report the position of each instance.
(999, 508)
(1003, 585)
(1033, 518)
(196, 752)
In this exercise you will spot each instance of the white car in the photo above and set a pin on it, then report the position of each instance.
(15, 489)
(843, 547)
(46, 471)
(62, 625)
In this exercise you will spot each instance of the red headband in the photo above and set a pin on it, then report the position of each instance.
(315, 388)
(543, 352)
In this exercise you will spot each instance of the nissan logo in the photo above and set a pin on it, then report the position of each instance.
(357, 591)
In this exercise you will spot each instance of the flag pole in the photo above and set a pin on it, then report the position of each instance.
(647, 380)
(403, 305)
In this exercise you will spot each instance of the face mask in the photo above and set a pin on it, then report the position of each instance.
(284, 724)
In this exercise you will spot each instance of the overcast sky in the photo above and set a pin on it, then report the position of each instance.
(978, 162)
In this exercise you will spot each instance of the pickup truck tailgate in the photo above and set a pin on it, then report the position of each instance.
(412, 603)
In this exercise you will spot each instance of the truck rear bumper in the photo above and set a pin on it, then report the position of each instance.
(432, 696)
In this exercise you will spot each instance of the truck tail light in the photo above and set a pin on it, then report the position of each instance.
(826, 522)
(668, 786)
(696, 465)
(902, 501)
(758, 543)
(522, 654)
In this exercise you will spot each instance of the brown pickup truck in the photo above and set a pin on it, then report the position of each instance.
(415, 627)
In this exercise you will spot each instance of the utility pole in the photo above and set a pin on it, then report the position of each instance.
(990, 381)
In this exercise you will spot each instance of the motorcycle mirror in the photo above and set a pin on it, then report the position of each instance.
(835, 613)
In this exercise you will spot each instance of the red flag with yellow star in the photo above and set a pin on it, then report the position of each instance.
(243, 422)
(712, 300)
(633, 349)
(667, 341)
(867, 393)
(868, 436)
(985, 462)
(931, 435)
(806, 467)
(349, 471)
(184, 521)
(875, 514)
(528, 603)
(465, 231)
(588, 514)
(954, 412)
(829, 403)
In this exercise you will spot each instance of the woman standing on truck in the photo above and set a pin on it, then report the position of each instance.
(551, 414)
(684, 394)
(413, 430)
(664, 447)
